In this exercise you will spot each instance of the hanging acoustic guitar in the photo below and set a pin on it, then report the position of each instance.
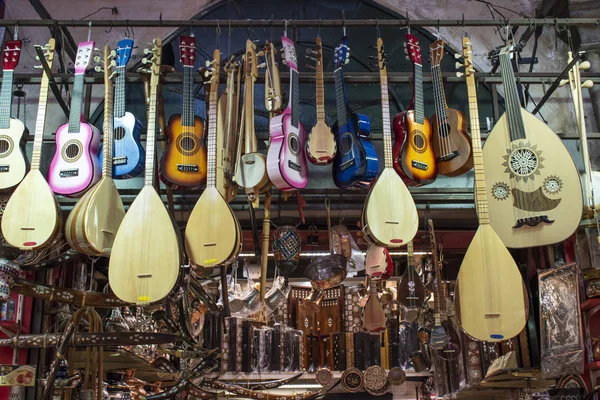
(213, 234)
(390, 216)
(411, 291)
(534, 195)
(145, 260)
(321, 147)
(450, 141)
(489, 297)
(95, 219)
(13, 164)
(31, 219)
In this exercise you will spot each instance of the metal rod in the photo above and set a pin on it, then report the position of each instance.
(314, 23)
(309, 77)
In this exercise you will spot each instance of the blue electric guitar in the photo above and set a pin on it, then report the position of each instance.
(128, 153)
(356, 164)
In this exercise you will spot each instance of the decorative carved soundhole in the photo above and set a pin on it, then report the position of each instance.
(523, 162)
(71, 151)
(552, 184)
(6, 145)
(500, 191)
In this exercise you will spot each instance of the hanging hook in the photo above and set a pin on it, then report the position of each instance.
(408, 23)
(463, 25)
(109, 30)
(218, 28)
(89, 31)
(285, 22)
(438, 36)
(319, 33)
(16, 32)
(377, 28)
(344, 22)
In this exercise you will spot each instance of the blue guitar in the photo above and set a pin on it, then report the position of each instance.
(356, 164)
(128, 153)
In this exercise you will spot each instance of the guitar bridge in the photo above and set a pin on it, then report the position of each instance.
(294, 166)
(119, 160)
(187, 167)
(449, 156)
(533, 221)
(420, 165)
(4, 168)
(69, 173)
(347, 164)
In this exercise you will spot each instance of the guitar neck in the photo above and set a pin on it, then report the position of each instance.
(107, 150)
(212, 140)
(6, 98)
(119, 102)
(75, 110)
(187, 116)
(418, 94)
(480, 187)
(385, 111)
(340, 97)
(39, 123)
(439, 95)
(151, 133)
(294, 97)
(251, 145)
(513, 104)
(320, 90)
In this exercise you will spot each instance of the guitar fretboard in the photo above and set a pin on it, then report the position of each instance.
(513, 105)
(295, 97)
(119, 104)
(385, 110)
(187, 116)
(6, 98)
(438, 93)
(212, 140)
(151, 132)
(107, 149)
(320, 90)
(40, 121)
(75, 109)
(340, 97)
(418, 94)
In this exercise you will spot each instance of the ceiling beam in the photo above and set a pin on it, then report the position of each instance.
(69, 42)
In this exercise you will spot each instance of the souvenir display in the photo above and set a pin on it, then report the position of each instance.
(179, 285)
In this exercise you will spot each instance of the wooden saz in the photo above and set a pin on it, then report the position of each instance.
(251, 169)
(489, 299)
(273, 97)
(443, 339)
(450, 141)
(145, 260)
(227, 124)
(390, 216)
(213, 234)
(93, 222)
(31, 219)
(321, 146)
(534, 193)
(411, 292)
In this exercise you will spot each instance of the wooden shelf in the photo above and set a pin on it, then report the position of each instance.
(589, 304)
(594, 366)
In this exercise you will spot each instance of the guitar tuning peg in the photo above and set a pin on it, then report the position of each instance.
(113, 63)
(98, 68)
(37, 57)
(147, 50)
(407, 57)
(112, 75)
(457, 56)
(145, 61)
(587, 84)
(585, 65)
(372, 57)
(310, 51)
(405, 50)
(346, 61)
(309, 66)
(459, 74)
(284, 61)
(113, 54)
(97, 49)
(563, 82)
(261, 65)
(458, 65)
(97, 59)
(311, 58)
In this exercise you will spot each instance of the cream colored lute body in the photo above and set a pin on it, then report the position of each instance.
(390, 216)
(31, 219)
(95, 219)
(491, 303)
(213, 234)
(321, 146)
(534, 191)
(145, 259)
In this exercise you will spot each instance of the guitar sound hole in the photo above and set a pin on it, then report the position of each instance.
(187, 145)
(346, 143)
(419, 142)
(294, 144)
(5, 146)
(444, 130)
(71, 151)
(119, 133)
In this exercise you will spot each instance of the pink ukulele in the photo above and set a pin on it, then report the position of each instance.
(286, 161)
(75, 167)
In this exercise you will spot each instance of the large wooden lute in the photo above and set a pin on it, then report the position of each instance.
(534, 193)
(145, 260)
(390, 216)
(213, 234)
(94, 221)
(31, 219)
(491, 303)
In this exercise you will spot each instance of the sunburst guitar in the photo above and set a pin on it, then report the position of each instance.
(145, 259)
(93, 223)
(31, 219)
(490, 304)
(534, 191)
(213, 234)
(390, 216)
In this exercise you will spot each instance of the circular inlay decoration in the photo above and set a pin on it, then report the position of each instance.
(375, 377)
(71, 151)
(500, 191)
(552, 184)
(6, 145)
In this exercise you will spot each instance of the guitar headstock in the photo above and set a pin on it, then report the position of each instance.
(124, 48)
(106, 63)
(315, 55)
(214, 67)
(187, 49)
(289, 53)
(381, 60)
(436, 52)
(47, 51)
(231, 65)
(250, 61)
(84, 54)
(341, 54)
(153, 58)
(509, 49)
(413, 49)
(11, 54)
(468, 57)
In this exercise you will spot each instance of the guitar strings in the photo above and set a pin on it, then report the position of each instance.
(442, 131)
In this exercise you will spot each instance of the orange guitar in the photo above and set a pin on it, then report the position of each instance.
(183, 163)
(414, 159)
